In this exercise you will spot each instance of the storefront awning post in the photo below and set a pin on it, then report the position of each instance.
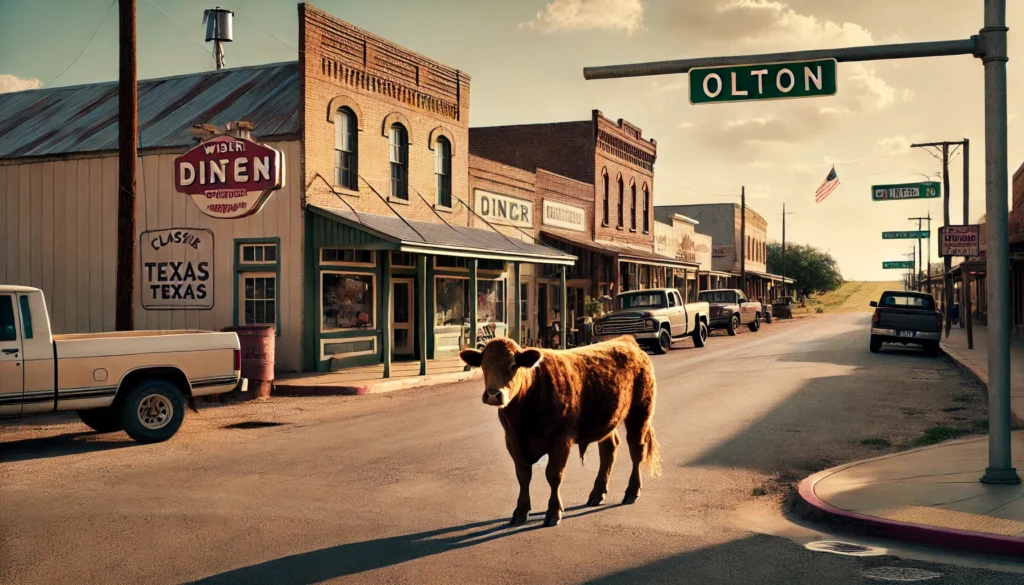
(563, 308)
(421, 308)
(517, 309)
(385, 322)
(472, 304)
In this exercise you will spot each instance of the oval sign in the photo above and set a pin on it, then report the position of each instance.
(229, 177)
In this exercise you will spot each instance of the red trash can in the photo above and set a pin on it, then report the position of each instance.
(257, 345)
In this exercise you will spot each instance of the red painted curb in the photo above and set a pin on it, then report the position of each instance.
(946, 537)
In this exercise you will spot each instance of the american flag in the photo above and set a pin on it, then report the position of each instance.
(829, 185)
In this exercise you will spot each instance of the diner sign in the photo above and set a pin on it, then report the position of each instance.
(564, 216)
(177, 269)
(504, 210)
(229, 177)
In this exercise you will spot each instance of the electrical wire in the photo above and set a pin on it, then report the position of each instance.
(168, 17)
(82, 52)
(284, 42)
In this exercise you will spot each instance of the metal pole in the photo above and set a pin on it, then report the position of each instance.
(967, 181)
(127, 139)
(783, 247)
(388, 312)
(919, 251)
(517, 310)
(967, 278)
(563, 309)
(421, 296)
(1000, 465)
(743, 239)
(947, 262)
(929, 271)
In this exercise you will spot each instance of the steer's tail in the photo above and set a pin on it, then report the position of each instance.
(652, 457)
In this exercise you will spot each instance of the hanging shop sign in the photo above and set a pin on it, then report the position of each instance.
(960, 240)
(504, 210)
(723, 250)
(229, 177)
(177, 269)
(560, 215)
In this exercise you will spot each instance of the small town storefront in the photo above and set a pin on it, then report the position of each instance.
(382, 288)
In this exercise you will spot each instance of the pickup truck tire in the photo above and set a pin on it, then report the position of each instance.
(700, 334)
(875, 345)
(932, 348)
(152, 411)
(101, 420)
(755, 324)
(768, 318)
(664, 343)
(733, 325)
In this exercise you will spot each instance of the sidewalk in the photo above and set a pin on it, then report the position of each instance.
(933, 495)
(370, 379)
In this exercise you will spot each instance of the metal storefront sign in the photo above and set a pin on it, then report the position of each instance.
(504, 210)
(722, 250)
(561, 215)
(229, 177)
(177, 269)
(960, 240)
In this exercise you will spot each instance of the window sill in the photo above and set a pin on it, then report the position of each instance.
(345, 191)
(605, 224)
(398, 200)
(632, 230)
(444, 208)
(619, 227)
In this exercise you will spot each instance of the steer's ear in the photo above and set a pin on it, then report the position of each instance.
(528, 358)
(472, 357)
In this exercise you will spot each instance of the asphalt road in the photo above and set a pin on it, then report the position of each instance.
(416, 486)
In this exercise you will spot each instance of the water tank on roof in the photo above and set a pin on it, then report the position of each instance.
(218, 24)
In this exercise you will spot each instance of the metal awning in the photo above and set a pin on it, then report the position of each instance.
(624, 252)
(442, 239)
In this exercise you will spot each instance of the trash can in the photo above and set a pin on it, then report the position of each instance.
(257, 345)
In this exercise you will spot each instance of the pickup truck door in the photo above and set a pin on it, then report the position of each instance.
(676, 314)
(12, 371)
(748, 310)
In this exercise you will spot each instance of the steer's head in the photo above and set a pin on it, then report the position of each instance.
(503, 362)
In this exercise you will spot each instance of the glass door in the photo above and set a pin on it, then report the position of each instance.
(402, 316)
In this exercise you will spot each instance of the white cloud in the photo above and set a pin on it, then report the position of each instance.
(895, 145)
(777, 25)
(873, 91)
(614, 15)
(9, 83)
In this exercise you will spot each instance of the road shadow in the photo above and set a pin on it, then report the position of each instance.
(357, 557)
(59, 446)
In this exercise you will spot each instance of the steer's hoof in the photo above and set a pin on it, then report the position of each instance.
(552, 518)
(517, 519)
(630, 498)
(595, 500)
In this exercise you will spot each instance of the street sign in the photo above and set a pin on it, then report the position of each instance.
(960, 240)
(898, 264)
(927, 190)
(911, 235)
(229, 177)
(772, 81)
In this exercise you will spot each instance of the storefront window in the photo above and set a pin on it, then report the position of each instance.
(347, 301)
(490, 305)
(452, 303)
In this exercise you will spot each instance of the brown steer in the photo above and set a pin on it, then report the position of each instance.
(548, 399)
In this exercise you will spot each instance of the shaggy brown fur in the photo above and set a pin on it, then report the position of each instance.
(550, 399)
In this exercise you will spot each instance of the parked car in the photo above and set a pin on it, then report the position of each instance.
(906, 317)
(654, 317)
(135, 381)
(730, 310)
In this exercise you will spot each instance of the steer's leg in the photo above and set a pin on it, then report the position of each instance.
(557, 458)
(607, 449)
(634, 438)
(523, 473)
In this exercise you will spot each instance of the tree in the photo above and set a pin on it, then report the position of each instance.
(813, 269)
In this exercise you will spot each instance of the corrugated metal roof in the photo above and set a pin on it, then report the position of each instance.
(444, 236)
(624, 251)
(83, 118)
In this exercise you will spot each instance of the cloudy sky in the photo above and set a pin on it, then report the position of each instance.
(526, 59)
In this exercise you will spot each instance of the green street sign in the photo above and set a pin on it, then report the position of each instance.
(911, 235)
(898, 264)
(774, 81)
(927, 190)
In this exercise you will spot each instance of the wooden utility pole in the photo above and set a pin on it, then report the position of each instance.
(784, 249)
(128, 131)
(743, 239)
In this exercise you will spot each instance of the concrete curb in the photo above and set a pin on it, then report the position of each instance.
(375, 387)
(980, 376)
(812, 507)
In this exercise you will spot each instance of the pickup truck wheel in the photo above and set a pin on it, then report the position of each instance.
(700, 334)
(153, 411)
(101, 420)
(755, 324)
(768, 318)
(933, 349)
(876, 344)
(734, 324)
(664, 343)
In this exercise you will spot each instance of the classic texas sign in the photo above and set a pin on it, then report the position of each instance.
(177, 268)
(927, 190)
(763, 82)
(229, 177)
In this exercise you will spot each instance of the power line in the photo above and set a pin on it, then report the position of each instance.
(82, 52)
(284, 42)
(168, 17)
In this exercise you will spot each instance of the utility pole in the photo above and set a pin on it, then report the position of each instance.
(743, 239)
(127, 139)
(919, 252)
(910, 273)
(783, 247)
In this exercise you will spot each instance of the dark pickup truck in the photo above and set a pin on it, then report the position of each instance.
(906, 317)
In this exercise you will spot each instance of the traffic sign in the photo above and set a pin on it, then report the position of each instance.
(927, 190)
(960, 240)
(772, 81)
(898, 264)
(910, 235)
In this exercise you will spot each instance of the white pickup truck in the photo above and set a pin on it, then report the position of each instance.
(135, 381)
(655, 317)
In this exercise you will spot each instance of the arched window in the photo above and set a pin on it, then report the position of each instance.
(632, 208)
(346, 169)
(399, 142)
(604, 220)
(443, 171)
(622, 196)
(647, 210)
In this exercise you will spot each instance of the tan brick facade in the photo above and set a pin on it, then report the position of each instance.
(381, 83)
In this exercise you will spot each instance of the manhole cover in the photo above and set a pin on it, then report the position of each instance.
(253, 424)
(845, 548)
(900, 574)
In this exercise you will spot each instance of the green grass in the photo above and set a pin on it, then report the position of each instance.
(963, 398)
(952, 408)
(759, 491)
(937, 434)
(981, 424)
(875, 442)
(819, 310)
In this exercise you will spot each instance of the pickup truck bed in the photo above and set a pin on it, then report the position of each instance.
(906, 317)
